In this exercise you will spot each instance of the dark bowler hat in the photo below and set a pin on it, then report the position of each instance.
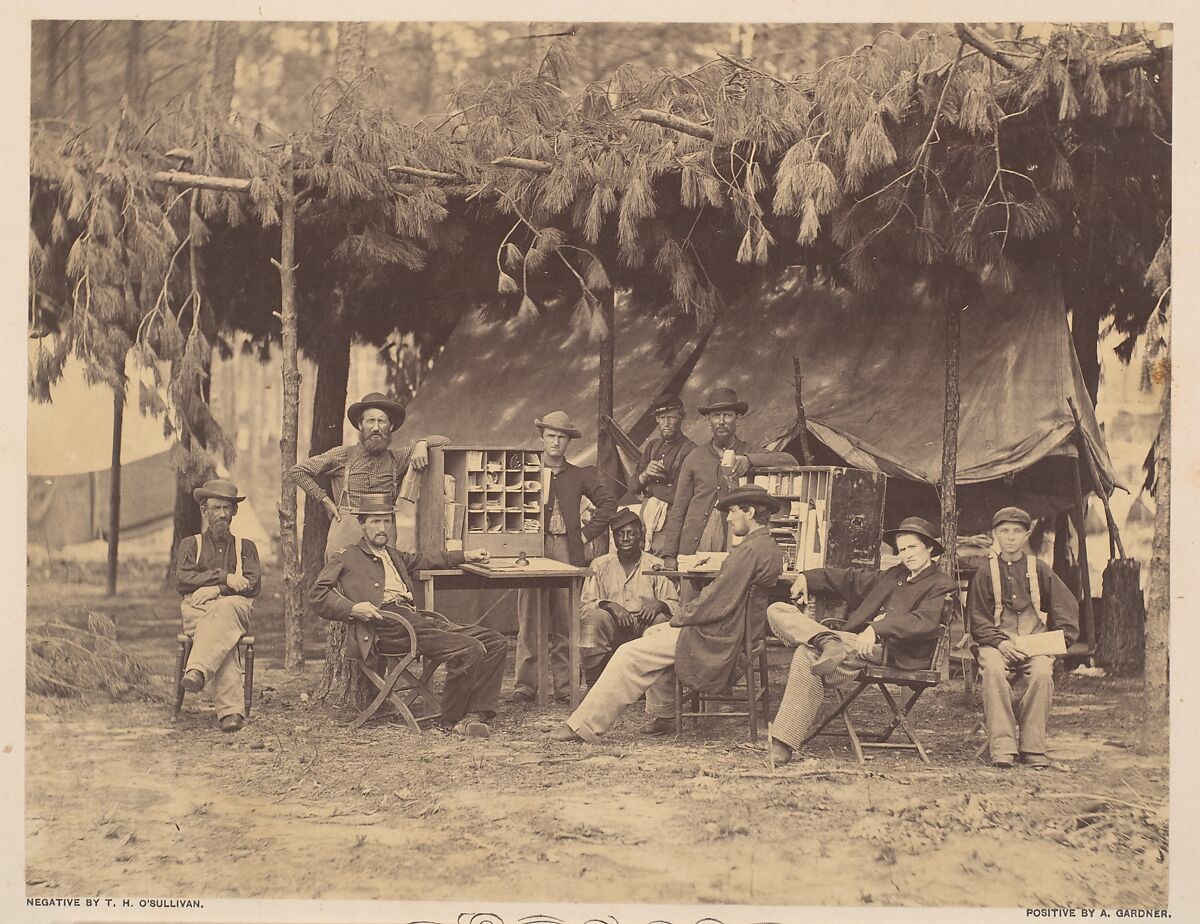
(217, 489)
(373, 503)
(558, 420)
(917, 526)
(380, 402)
(724, 399)
(751, 494)
(1012, 515)
(667, 401)
(624, 517)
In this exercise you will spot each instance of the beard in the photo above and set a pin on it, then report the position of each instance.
(219, 529)
(375, 444)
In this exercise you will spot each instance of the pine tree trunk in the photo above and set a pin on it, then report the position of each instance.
(83, 108)
(1156, 682)
(950, 420)
(223, 46)
(1120, 636)
(1085, 328)
(114, 485)
(293, 586)
(54, 55)
(351, 51)
(329, 405)
(135, 83)
(606, 447)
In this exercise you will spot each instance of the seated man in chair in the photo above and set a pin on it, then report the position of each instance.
(620, 601)
(1007, 601)
(902, 605)
(218, 576)
(369, 580)
(703, 642)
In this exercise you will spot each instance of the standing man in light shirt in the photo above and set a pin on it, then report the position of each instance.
(694, 523)
(620, 601)
(565, 535)
(373, 466)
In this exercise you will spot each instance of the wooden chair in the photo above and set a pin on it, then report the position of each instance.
(245, 643)
(755, 697)
(392, 675)
(885, 678)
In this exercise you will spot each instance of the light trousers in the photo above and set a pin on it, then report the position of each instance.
(215, 627)
(645, 665)
(805, 692)
(1024, 730)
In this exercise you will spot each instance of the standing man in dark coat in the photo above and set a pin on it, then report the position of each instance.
(694, 524)
(661, 460)
(564, 487)
(902, 606)
(369, 581)
(703, 642)
(1032, 599)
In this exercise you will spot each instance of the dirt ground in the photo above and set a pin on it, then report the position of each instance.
(120, 801)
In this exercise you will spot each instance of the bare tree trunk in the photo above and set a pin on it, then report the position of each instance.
(135, 79)
(223, 45)
(114, 484)
(293, 599)
(950, 421)
(82, 100)
(54, 55)
(1156, 682)
(351, 51)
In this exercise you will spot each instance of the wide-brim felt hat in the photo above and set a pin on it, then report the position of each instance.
(667, 401)
(624, 517)
(723, 399)
(558, 420)
(381, 402)
(217, 489)
(1012, 515)
(366, 504)
(917, 526)
(751, 494)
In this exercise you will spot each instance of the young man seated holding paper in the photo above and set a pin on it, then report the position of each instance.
(1005, 607)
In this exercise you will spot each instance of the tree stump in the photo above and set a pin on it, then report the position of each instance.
(1120, 639)
(342, 685)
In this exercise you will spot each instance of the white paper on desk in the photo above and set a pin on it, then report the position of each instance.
(1043, 643)
(702, 561)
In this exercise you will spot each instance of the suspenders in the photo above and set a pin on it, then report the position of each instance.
(237, 551)
(1035, 590)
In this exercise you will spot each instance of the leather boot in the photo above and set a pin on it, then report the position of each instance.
(833, 653)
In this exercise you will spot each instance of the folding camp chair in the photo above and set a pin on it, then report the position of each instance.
(392, 675)
(245, 643)
(756, 697)
(883, 677)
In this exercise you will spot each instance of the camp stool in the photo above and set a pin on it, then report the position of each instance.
(245, 643)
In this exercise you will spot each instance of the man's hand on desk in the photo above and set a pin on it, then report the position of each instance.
(480, 556)
(799, 590)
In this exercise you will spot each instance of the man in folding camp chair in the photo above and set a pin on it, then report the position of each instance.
(370, 580)
(218, 575)
(1005, 607)
(902, 606)
(703, 642)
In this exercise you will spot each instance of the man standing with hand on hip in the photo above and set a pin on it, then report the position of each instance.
(218, 576)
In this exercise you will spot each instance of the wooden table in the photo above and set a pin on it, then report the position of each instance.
(471, 575)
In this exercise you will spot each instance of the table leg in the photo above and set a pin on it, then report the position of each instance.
(427, 584)
(544, 693)
(573, 638)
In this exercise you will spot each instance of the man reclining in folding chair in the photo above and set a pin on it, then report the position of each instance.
(902, 606)
(369, 580)
(1005, 607)
(702, 643)
(218, 575)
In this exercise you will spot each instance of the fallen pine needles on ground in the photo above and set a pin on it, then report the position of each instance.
(68, 662)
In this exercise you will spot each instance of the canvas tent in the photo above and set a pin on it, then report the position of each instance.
(873, 370)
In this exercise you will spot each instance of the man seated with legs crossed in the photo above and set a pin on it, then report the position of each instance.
(1005, 605)
(218, 575)
(703, 643)
(902, 606)
(370, 580)
(620, 600)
